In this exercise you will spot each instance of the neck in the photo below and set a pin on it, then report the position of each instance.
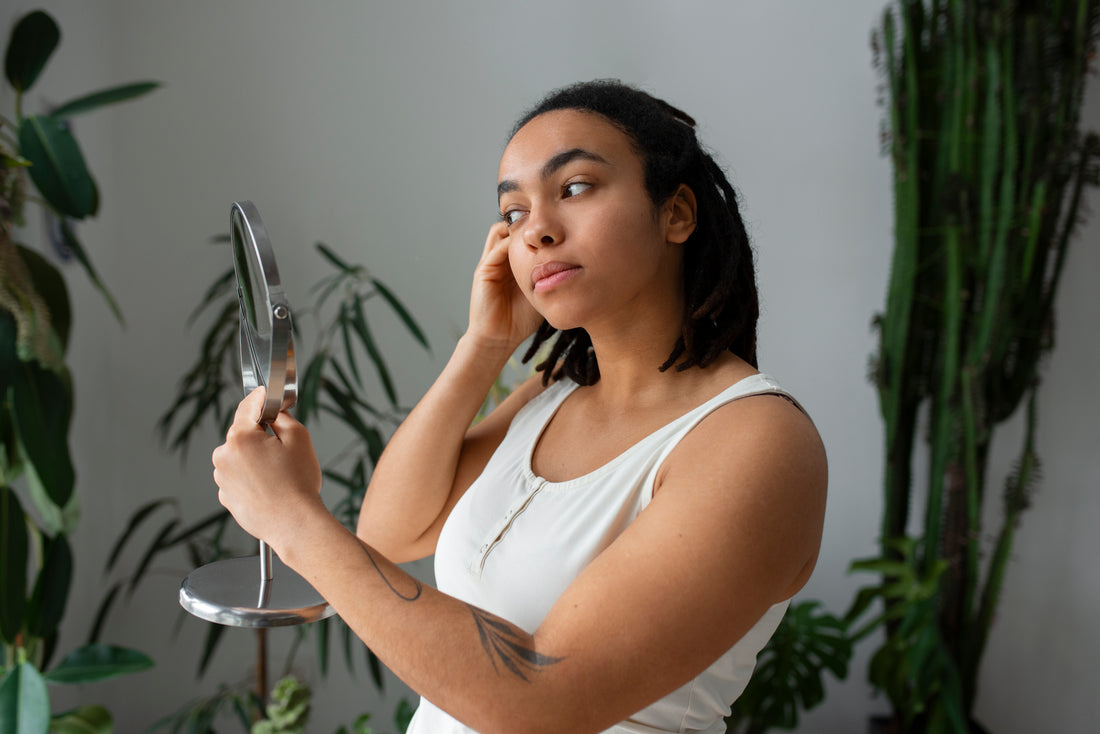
(629, 362)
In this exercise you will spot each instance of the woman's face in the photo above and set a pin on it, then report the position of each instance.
(586, 243)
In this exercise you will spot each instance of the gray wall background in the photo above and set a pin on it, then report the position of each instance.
(376, 127)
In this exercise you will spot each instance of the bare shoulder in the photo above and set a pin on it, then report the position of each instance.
(765, 429)
(758, 465)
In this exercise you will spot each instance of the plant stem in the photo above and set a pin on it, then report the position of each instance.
(261, 669)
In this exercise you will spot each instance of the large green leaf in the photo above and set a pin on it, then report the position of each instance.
(24, 702)
(98, 662)
(33, 40)
(51, 590)
(789, 669)
(13, 565)
(57, 166)
(52, 519)
(51, 286)
(95, 100)
(83, 720)
(41, 407)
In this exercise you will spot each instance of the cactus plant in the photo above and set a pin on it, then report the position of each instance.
(982, 100)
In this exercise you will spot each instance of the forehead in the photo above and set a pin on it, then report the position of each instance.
(552, 132)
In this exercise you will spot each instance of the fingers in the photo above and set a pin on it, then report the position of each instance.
(285, 427)
(289, 430)
(494, 258)
(250, 409)
(498, 233)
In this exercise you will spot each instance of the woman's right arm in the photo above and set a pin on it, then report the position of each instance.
(434, 455)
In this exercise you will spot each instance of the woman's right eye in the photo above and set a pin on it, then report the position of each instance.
(511, 216)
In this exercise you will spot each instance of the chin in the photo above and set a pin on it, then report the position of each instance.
(560, 322)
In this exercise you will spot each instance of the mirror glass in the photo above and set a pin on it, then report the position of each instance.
(251, 289)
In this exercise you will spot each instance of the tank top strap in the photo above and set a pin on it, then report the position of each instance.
(756, 384)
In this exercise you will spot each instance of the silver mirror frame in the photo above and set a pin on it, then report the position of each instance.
(275, 352)
(242, 592)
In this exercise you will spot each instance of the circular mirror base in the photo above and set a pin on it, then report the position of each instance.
(231, 592)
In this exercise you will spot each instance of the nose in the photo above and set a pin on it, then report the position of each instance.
(541, 229)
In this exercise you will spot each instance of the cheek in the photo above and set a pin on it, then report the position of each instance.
(517, 261)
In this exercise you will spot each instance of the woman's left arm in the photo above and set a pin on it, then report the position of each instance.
(734, 527)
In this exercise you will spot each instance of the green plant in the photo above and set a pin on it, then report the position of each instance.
(334, 384)
(788, 675)
(290, 708)
(198, 716)
(288, 712)
(983, 102)
(37, 395)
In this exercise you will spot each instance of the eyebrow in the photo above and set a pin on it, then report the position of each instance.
(556, 162)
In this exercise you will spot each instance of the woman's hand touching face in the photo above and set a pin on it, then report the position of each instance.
(267, 481)
(500, 314)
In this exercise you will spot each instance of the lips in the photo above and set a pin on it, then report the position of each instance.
(547, 275)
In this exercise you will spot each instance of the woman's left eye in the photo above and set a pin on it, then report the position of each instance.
(572, 189)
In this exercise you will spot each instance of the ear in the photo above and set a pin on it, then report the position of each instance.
(679, 217)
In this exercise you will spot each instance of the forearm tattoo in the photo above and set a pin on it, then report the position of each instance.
(417, 586)
(501, 642)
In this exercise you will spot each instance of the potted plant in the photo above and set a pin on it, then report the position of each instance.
(982, 106)
(36, 395)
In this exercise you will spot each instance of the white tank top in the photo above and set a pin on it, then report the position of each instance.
(515, 541)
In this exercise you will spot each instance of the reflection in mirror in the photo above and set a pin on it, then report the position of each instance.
(246, 286)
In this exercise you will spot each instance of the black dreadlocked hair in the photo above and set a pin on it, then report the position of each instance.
(721, 305)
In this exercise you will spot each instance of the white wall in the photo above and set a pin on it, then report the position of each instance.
(376, 127)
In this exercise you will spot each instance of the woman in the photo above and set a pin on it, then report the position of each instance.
(619, 538)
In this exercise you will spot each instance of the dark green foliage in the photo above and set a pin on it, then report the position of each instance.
(788, 675)
(33, 40)
(98, 662)
(40, 405)
(982, 103)
(13, 565)
(36, 395)
(51, 589)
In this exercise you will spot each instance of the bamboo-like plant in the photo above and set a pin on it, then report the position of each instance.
(982, 102)
(36, 396)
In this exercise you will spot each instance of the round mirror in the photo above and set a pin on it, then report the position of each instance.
(240, 591)
(267, 342)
